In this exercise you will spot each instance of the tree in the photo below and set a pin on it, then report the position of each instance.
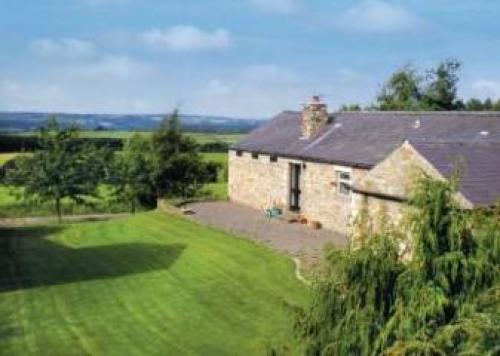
(177, 167)
(131, 175)
(474, 104)
(442, 302)
(441, 90)
(351, 107)
(61, 168)
(402, 91)
(408, 90)
(488, 104)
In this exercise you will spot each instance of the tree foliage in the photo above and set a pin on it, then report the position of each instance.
(445, 300)
(131, 175)
(434, 90)
(440, 92)
(177, 167)
(62, 167)
(402, 91)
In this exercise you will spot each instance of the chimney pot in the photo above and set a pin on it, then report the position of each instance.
(314, 116)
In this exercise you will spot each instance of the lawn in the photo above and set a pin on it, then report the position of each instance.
(151, 284)
(12, 204)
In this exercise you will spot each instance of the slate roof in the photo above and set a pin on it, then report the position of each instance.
(362, 139)
(478, 164)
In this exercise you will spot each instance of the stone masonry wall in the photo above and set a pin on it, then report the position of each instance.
(262, 184)
(394, 176)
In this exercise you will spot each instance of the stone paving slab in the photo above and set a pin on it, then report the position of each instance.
(294, 239)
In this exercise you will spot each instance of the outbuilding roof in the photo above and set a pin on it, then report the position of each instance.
(470, 140)
(478, 165)
(362, 139)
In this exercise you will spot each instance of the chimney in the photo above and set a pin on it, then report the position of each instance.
(314, 117)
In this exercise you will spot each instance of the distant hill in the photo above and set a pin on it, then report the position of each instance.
(20, 121)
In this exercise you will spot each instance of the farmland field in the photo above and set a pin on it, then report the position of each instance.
(12, 204)
(201, 138)
(151, 284)
(4, 157)
(217, 190)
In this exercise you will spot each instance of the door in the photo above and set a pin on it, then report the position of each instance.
(295, 170)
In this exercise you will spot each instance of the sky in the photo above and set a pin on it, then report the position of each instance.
(239, 58)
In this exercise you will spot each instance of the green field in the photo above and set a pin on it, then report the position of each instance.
(12, 204)
(5, 157)
(201, 138)
(218, 190)
(151, 284)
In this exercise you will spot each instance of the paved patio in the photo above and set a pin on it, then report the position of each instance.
(292, 238)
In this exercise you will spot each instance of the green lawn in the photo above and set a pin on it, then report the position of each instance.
(151, 284)
(12, 204)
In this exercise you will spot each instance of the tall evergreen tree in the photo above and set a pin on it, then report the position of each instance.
(178, 169)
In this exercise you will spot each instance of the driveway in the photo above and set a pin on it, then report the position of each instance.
(294, 239)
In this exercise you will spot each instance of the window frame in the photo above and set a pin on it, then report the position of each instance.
(255, 155)
(343, 182)
(239, 153)
(273, 158)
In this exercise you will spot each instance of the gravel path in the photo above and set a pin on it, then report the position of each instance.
(293, 239)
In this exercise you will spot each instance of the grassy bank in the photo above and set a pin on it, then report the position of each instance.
(146, 285)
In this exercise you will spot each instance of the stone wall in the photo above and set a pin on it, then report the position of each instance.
(392, 177)
(257, 183)
(261, 184)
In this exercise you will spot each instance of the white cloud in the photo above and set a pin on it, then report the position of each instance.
(277, 6)
(486, 88)
(111, 68)
(66, 48)
(187, 38)
(18, 95)
(375, 16)
(255, 91)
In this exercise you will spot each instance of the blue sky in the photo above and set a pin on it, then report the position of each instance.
(243, 58)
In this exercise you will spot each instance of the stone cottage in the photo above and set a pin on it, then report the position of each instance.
(328, 167)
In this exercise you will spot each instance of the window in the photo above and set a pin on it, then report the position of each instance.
(343, 183)
(239, 153)
(273, 158)
(255, 155)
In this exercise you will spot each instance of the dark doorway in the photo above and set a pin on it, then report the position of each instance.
(295, 170)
